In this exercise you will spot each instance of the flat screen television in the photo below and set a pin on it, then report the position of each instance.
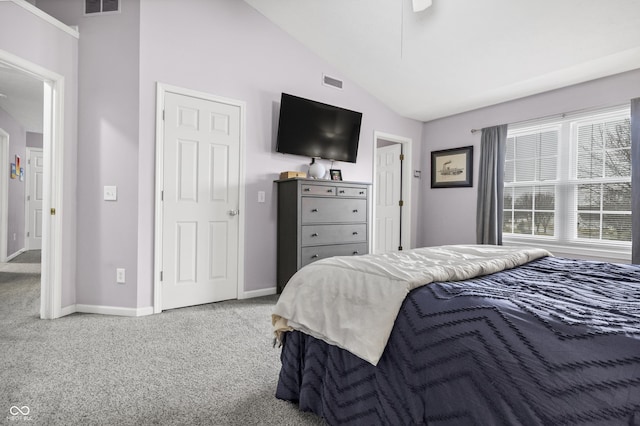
(314, 129)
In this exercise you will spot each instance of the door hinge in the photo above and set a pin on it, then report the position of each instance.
(401, 203)
(28, 197)
(161, 275)
(162, 115)
(53, 211)
(28, 233)
(162, 195)
(401, 157)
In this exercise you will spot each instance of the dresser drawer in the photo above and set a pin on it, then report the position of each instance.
(333, 210)
(332, 234)
(311, 254)
(346, 191)
(318, 190)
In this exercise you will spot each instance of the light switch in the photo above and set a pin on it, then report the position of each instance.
(261, 196)
(110, 193)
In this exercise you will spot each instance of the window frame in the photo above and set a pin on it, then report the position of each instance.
(566, 241)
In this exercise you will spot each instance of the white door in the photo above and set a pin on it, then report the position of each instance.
(388, 194)
(4, 193)
(35, 173)
(201, 198)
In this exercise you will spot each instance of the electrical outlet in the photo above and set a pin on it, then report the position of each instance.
(120, 275)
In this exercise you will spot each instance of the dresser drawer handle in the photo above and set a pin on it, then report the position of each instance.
(355, 233)
(355, 211)
(315, 256)
(314, 210)
(356, 252)
(329, 190)
(361, 192)
(342, 191)
(307, 189)
(315, 234)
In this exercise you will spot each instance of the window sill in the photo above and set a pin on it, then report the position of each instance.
(616, 253)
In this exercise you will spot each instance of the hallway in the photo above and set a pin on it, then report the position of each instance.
(21, 274)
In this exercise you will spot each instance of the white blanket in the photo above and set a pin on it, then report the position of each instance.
(353, 301)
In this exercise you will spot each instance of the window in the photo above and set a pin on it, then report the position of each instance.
(568, 182)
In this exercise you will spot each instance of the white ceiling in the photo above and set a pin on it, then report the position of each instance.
(23, 97)
(460, 55)
(455, 56)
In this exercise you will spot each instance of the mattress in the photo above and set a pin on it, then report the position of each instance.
(551, 342)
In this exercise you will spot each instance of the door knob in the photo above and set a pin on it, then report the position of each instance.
(233, 212)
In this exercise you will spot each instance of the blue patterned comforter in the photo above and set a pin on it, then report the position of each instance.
(553, 342)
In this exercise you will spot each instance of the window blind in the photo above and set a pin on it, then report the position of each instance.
(568, 181)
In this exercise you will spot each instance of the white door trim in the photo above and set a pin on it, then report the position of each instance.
(407, 150)
(53, 189)
(161, 90)
(4, 194)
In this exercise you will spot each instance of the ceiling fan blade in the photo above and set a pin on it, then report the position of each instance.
(420, 5)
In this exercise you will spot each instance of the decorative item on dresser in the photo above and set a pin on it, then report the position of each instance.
(319, 219)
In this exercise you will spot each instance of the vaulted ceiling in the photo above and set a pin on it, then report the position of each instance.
(455, 56)
(460, 55)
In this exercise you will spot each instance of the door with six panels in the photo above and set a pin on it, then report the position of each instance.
(200, 201)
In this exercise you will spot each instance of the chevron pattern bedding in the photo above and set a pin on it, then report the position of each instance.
(552, 342)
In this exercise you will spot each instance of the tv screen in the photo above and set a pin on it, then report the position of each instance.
(314, 129)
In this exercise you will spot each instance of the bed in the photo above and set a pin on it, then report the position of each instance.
(509, 337)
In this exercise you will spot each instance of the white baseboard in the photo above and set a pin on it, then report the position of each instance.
(258, 293)
(111, 310)
(67, 310)
(16, 254)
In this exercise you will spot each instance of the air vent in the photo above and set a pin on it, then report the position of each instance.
(92, 7)
(331, 82)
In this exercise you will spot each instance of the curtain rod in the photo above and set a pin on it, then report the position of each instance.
(561, 115)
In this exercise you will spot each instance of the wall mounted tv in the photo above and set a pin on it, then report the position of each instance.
(314, 129)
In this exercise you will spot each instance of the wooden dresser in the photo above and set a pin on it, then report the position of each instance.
(317, 219)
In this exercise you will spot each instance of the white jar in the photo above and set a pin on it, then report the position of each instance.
(316, 170)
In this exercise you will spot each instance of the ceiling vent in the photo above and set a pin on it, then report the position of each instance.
(94, 7)
(331, 82)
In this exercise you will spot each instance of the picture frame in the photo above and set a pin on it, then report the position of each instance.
(452, 168)
(336, 174)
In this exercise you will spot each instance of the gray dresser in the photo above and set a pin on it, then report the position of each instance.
(318, 219)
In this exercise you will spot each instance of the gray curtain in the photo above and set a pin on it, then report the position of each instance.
(491, 185)
(635, 180)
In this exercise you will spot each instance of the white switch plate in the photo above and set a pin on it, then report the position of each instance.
(261, 196)
(110, 193)
(120, 275)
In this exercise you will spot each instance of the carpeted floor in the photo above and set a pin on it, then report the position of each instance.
(205, 365)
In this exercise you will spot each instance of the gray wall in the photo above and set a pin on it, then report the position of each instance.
(448, 216)
(28, 37)
(226, 48)
(17, 146)
(222, 47)
(34, 140)
(108, 67)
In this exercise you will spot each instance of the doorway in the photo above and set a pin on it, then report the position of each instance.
(199, 199)
(52, 189)
(4, 194)
(33, 202)
(392, 193)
